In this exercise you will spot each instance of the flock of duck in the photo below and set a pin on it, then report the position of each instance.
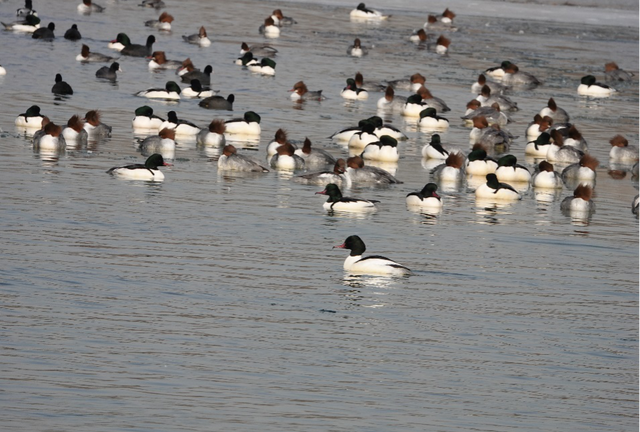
(489, 168)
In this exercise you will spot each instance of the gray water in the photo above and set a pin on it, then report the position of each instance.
(214, 301)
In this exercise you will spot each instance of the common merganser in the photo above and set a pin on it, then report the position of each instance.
(61, 87)
(351, 91)
(558, 152)
(336, 176)
(214, 135)
(314, 157)
(280, 20)
(248, 125)
(44, 33)
(391, 102)
(546, 178)
(382, 128)
(218, 102)
(452, 170)
(74, 133)
(196, 91)
(497, 72)
(413, 83)
(279, 139)
(121, 41)
(359, 173)
(180, 126)
(442, 45)
(621, 151)
(487, 99)
(87, 7)
(419, 37)
(26, 10)
(159, 61)
(136, 50)
(357, 50)
(432, 101)
(31, 118)
(163, 143)
(556, 113)
(301, 92)
(479, 163)
(50, 139)
(495, 87)
(157, 4)
(230, 160)
(493, 113)
(494, 190)
(613, 73)
(171, 91)
(87, 56)
(266, 67)
(634, 205)
(286, 159)
(204, 77)
(148, 171)
(187, 66)
(573, 138)
(375, 264)
(434, 149)
(414, 106)
(247, 59)
(584, 170)
(509, 170)
(427, 197)
(94, 127)
(145, 119)
(73, 33)
(538, 125)
(539, 147)
(430, 120)
(109, 72)
(269, 29)
(364, 136)
(362, 13)
(28, 25)
(337, 202)
(199, 38)
(162, 23)
(260, 50)
(513, 76)
(383, 150)
(580, 202)
(493, 137)
(590, 87)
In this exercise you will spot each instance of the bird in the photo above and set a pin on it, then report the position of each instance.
(259, 50)
(44, 33)
(146, 119)
(230, 160)
(509, 170)
(269, 29)
(218, 102)
(430, 120)
(383, 150)
(196, 91)
(266, 67)
(61, 87)
(337, 202)
(357, 50)
(74, 133)
(162, 23)
(557, 114)
(180, 126)
(94, 126)
(300, 92)
(286, 159)
(494, 190)
(434, 149)
(337, 176)
(29, 24)
(87, 56)
(361, 12)
(351, 91)
(580, 202)
(590, 87)
(199, 38)
(87, 7)
(109, 72)
(314, 157)
(31, 118)
(163, 143)
(361, 174)
(50, 139)
(427, 197)
(73, 33)
(203, 76)
(613, 73)
(136, 50)
(374, 264)
(148, 171)
(171, 91)
(248, 125)
(546, 178)
(621, 151)
(159, 61)
(213, 135)
(27, 10)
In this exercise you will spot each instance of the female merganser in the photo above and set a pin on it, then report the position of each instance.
(136, 50)
(218, 102)
(280, 139)
(573, 138)
(199, 38)
(490, 136)
(478, 163)
(514, 77)
(109, 72)
(121, 41)
(621, 151)
(362, 13)
(146, 119)
(584, 170)
(149, 171)
(430, 120)
(546, 178)
(248, 125)
(73, 33)
(359, 173)
(538, 125)
(509, 170)
(74, 133)
(487, 99)
(171, 91)
(357, 50)
(214, 135)
(375, 264)
(351, 91)
(196, 91)
(391, 102)
(369, 86)
(427, 197)
(180, 126)
(336, 202)
(556, 113)
(538, 147)
(434, 149)
(26, 10)
(493, 113)
(87, 7)
(414, 106)
(558, 152)
(162, 23)
(203, 77)
(266, 67)
(260, 50)
(61, 87)
(384, 150)
(494, 190)
(419, 37)
(86, 56)
(336, 176)
(280, 20)
(163, 143)
(50, 139)
(442, 45)
(30, 24)
(580, 202)
(286, 159)
(413, 83)
(159, 62)
(232, 161)
(365, 136)
(314, 157)
(44, 33)
(452, 170)
(446, 17)
(94, 127)
(31, 118)
(187, 66)
(300, 92)
(495, 87)
(432, 101)
(269, 29)
(590, 87)
(613, 73)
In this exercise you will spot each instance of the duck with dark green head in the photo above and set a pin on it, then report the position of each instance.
(248, 125)
(590, 87)
(337, 202)
(509, 170)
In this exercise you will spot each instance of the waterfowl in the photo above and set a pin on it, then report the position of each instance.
(493, 113)
(509, 170)
(494, 190)
(391, 102)
(545, 177)
(452, 170)
(538, 125)
(266, 67)
(351, 91)
(419, 37)
(163, 143)
(375, 264)
(94, 127)
(364, 136)
(432, 102)
(621, 151)
(148, 171)
(247, 59)
(87, 7)
(199, 38)
(492, 137)
(249, 124)
(357, 50)
(487, 99)
(430, 120)
(580, 202)
(180, 126)
(121, 41)
(146, 119)
(204, 77)
(279, 139)
(74, 133)
(159, 62)
(218, 102)
(87, 56)
(50, 139)
(382, 128)
(162, 23)
(479, 163)
(413, 83)
(27, 10)
(136, 50)
(44, 33)
(61, 87)
(314, 157)
(494, 87)
(337, 176)
(232, 161)
(157, 4)
(269, 29)
(369, 86)
(590, 87)
(301, 92)
(27, 25)
(513, 76)
(171, 91)
(260, 50)
(434, 149)
(286, 159)
(361, 174)
(584, 170)
(497, 72)
(427, 197)
(557, 114)
(196, 91)
(280, 20)
(214, 134)
(558, 152)
(186, 67)
(337, 202)
(361, 12)
(442, 45)
(539, 147)
(414, 106)
(31, 118)
(383, 150)
(613, 73)
(573, 138)
(109, 72)
(73, 33)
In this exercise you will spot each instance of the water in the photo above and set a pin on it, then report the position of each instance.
(215, 301)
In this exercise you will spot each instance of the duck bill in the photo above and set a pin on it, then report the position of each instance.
(324, 192)
(341, 246)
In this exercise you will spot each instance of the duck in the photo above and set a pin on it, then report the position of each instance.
(109, 72)
(162, 23)
(314, 157)
(136, 50)
(204, 77)
(430, 120)
(584, 170)
(361, 12)
(247, 59)
(230, 160)
(442, 22)
(249, 124)
(260, 50)
(557, 114)
(337, 202)
(156, 4)
(3, 71)
(573, 138)
(365, 135)
(369, 86)
(180, 126)
(87, 56)
(515, 78)
(74, 132)
(494, 87)
(163, 143)
(613, 73)
(213, 135)
(44, 33)
(621, 151)
(382, 128)
(590, 87)
(199, 38)
(171, 92)
(266, 67)
(391, 102)
(492, 137)
(186, 67)
(94, 127)
(286, 159)
(50, 139)
(374, 265)
(280, 20)
(509, 170)
(497, 72)
(31, 118)
(73, 34)
(487, 99)
(87, 7)
(29, 24)
(158, 61)
(344, 135)
(145, 119)
(538, 125)
(196, 91)
(538, 147)
(414, 106)
(427, 197)
(148, 171)
(269, 28)
(361, 174)
(27, 10)
(434, 149)
(479, 163)
(419, 37)
(452, 170)
(442, 45)
(432, 102)
(493, 113)
(61, 87)
(413, 83)
(121, 41)
(280, 138)
(300, 92)
(546, 178)
(494, 190)
(218, 102)
(580, 202)
(383, 150)
(558, 152)
(357, 50)
(352, 92)
(337, 176)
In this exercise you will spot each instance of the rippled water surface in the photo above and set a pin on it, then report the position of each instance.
(214, 301)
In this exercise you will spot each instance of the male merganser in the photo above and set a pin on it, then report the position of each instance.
(414, 106)
(266, 67)
(269, 29)
(286, 159)
(366, 135)
(171, 91)
(430, 120)
(359, 173)
(337, 202)
(509, 170)
(61, 87)
(86, 56)
(218, 102)
(199, 38)
(204, 77)
(162, 23)
(362, 13)
(390, 101)
(538, 125)
(94, 127)
(584, 170)
(386, 129)
(431, 100)
(247, 59)
(87, 7)
(621, 151)
(590, 87)
(613, 73)
(136, 50)
(538, 147)
(452, 170)
(148, 171)
(28, 25)
(497, 72)
(494, 190)
(214, 135)
(580, 202)
(121, 41)
(50, 139)
(232, 161)
(556, 113)
(280, 20)
(73, 33)
(351, 91)
(163, 143)
(74, 133)
(357, 50)
(300, 92)
(248, 125)
(196, 91)
(159, 62)
(495, 87)
(493, 113)
(487, 99)
(44, 33)
(146, 119)
(3, 71)
(314, 157)
(336, 176)
(180, 126)
(109, 72)
(260, 50)
(546, 178)
(384, 150)
(478, 163)
(375, 264)
(31, 118)
(558, 152)
(26, 10)
(434, 149)
(427, 197)
(514, 77)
